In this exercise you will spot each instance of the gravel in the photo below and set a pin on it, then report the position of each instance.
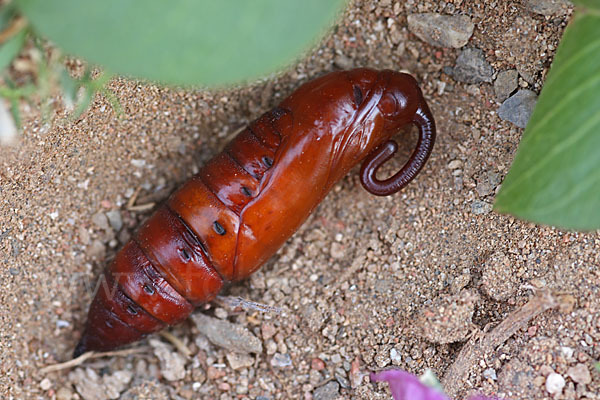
(281, 360)
(555, 383)
(227, 335)
(115, 220)
(441, 30)
(448, 319)
(401, 253)
(580, 374)
(472, 67)
(548, 7)
(172, 364)
(498, 279)
(239, 361)
(518, 108)
(100, 220)
(329, 391)
(505, 84)
(481, 207)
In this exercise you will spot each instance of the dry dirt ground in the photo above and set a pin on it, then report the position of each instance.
(367, 283)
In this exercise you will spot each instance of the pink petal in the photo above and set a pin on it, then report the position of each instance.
(405, 386)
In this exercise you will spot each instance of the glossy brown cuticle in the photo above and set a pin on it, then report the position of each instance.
(227, 220)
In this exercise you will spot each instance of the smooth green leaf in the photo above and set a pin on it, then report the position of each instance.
(183, 42)
(6, 15)
(15, 112)
(11, 48)
(591, 4)
(555, 177)
(69, 86)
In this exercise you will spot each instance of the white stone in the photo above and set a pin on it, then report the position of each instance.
(555, 383)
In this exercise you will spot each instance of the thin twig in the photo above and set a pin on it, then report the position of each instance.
(133, 198)
(91, 355)
(142, 207)
(456, 375)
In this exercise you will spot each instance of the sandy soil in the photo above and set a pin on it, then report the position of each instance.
(366, 284)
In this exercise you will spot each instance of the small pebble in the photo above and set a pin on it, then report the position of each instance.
(221, 313)
(548, 7)
(224, 334)
(45, 384)
(213, 373)
(580, 374)
(555, 383)
(267, 330)
(271, 347)
(567, 351)
(518, 108)
(337, 250)
(62, 323)
(281, 360)
(483, 189)
(317, 364)
(138, 163)
(343, 62)
(116, 383)
(329, 391)
(147, 389)
(539, 381)
(395, 356)
(64, 393)
(239, 360)
(172, 364)
(505, 84)
(546, 370)
(341, 379)
(96, 250)
(100, 220)
(472, 67)
(490, 373)
(84, 235)
(115, 220)
(480, 207)
(87, 383)
(441, 30)
(455, 164)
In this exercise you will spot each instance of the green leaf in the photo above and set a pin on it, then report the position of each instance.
(183, 42)
(11, 48)
(591, 4)
(555, 177)
(69, 86)
(15, 112)
(6, 15)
